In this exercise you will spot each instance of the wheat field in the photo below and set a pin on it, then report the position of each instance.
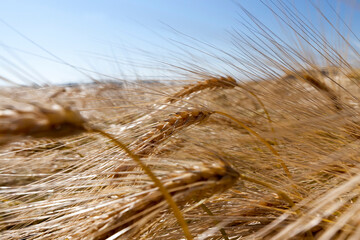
(217, 156)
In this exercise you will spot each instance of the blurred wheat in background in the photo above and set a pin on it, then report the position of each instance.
(266, 148)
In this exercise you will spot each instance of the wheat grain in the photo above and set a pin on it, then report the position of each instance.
(316, 83)
(211, 83)
(38, 119)
(169, 127)
(313, 77)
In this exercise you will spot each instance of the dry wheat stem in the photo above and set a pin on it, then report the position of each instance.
(157, 182)
(197, 184)
(194, 185)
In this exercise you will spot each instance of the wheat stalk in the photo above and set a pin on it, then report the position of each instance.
(199, 183)
(152, 176)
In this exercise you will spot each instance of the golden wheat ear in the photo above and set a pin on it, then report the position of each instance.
(211, 83)
(147, 144)
(321, 86)
(38, 120)
(162, 131)
(315, 78)
(185, 187)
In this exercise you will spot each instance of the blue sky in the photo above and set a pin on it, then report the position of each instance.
(40, 37)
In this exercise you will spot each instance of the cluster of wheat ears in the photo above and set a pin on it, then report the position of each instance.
(272, 157)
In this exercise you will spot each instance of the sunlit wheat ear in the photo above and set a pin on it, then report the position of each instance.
(227, 82)
(322, 87)
(211, 83)
(162, 131)
(39, 119)
(126, 220)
